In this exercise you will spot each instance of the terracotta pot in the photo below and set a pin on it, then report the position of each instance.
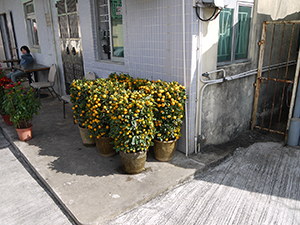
(7, 121)
(164, 150)
(133, 162)
(85, 137)
(24, 134)
(105, 148)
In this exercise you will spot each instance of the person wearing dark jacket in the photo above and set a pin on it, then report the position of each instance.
(26, 59)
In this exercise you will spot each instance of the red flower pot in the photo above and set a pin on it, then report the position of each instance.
(7, 121)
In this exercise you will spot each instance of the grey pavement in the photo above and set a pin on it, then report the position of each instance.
(23, 200)
(237, 181)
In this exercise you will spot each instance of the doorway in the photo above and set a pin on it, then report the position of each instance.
(70, 41)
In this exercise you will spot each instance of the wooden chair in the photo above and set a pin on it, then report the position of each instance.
(48, 84)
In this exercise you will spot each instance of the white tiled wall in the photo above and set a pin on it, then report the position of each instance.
(153, 46)
(154, 34)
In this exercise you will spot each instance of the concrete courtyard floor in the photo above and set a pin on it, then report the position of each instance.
(94, 189)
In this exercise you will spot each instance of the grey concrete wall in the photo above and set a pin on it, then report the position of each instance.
(227, 107)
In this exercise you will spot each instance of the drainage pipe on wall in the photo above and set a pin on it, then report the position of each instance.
(185, 81)
(198, 69)
(199, 107)
(222, 80)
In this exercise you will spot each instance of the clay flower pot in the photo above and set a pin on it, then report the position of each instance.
(24, 134)
(7, 121)
(104, 146)
(85, 137)
(164, 150)
(133, 162)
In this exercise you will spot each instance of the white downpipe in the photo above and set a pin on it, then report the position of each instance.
(200, 114)
(221, 80)
(199, 107)
(185, 80)
(198, 69)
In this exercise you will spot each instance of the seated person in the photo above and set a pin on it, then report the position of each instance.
(26, 58)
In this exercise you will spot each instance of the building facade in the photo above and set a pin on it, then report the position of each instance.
(154, 39)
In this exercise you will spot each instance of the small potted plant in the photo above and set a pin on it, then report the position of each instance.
(21, 104)
(169, 114)
(132, 127)
(80, 91)
(3, 82)
(98, 120)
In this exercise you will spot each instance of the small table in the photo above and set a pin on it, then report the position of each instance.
(11, 61)
(32, 68)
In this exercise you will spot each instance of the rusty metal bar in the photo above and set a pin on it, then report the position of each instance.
(270, 130)
(293, 95)
(259, 72)
(285, 76)
(287, 22)
(274, 96)
(269, 69)
(277, 80)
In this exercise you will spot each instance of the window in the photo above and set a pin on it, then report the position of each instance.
(234, 32)
(110, 30)
(31, 25)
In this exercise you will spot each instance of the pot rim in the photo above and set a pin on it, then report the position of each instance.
(104, 138)
(140, 152)
(174, 140)
(24, 128)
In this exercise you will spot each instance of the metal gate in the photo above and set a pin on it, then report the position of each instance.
(277, 76)
(70, 41)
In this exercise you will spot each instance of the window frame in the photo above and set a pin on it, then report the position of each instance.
(100, 49)
(29, 28)
(234, 34)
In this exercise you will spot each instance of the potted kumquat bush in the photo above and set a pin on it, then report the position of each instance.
(169, 111)
(98, 120)
(80, 91)
(132, 126)
(131, 115)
